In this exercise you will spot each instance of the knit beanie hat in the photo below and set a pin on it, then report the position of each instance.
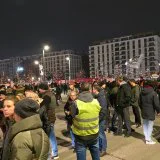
(43, 86)
(26, 108)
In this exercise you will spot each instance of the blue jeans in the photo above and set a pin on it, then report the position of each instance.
(53, 141)
(147, 129)
(102, 136)
(82, 145)
(72, 138)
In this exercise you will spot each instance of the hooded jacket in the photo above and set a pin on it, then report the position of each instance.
(149, 103)
(84, 96)
(27, 140)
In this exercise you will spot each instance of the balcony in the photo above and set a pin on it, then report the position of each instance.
(151, 39)
(153, 69)
(151, 54)
(123, 53)
(152, 64)
(151, 49)
(122, 44)
(123, 48)
(151, 44)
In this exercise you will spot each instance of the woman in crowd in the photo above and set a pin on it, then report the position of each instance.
(149, 103)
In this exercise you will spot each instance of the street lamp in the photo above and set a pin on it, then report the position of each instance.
(68, 59)
(45, 48)
(40, 69)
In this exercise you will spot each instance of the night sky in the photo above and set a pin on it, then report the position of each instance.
(25, 25)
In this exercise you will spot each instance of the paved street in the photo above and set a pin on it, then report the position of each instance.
(119, 148)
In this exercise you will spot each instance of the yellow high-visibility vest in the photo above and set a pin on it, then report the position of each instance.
(87, 120)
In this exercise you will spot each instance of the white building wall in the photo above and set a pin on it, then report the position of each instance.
(103, 57)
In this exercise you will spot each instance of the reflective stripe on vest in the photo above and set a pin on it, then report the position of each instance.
(87, 121)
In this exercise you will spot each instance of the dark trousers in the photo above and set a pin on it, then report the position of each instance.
(136, 113)
(123, 115)
(126, 118)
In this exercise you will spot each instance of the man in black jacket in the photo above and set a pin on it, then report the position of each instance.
(122, 108)
(135, 93)
(49, 102)
(100, 95)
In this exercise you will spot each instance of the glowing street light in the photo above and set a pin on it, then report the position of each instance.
(45, 48)
(68, 59)
(36, 62)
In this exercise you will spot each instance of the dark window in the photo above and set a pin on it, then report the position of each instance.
(139, 43)
(133, 44)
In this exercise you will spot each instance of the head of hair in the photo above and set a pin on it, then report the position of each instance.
(97, 87)
(12, 98)
(85, 86)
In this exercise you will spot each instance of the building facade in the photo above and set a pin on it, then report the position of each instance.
(56, 64)
(10, 67)
(134, 54)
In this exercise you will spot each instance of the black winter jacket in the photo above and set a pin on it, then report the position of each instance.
(103, 103)
(123, 96)
(149, 103)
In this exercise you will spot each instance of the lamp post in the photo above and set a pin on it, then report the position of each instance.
(45, 48)
(40, 70)
(69, 61)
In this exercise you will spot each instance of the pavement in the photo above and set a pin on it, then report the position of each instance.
(119, 147)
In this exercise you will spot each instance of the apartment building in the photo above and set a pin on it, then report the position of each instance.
(63, 64)
(9, 67)
(111, 57)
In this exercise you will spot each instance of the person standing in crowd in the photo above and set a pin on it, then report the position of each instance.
(72, 88)
(85, 113)
(8, 111)
(122, 108)
(106, 91)
(2, 98)
(100, 95)
(27, 140)
(65, 88)
(42, 111)
(113, 97)
(71, 100)
(49, 102)
(135, 93)
(58, 94)
(149, 103)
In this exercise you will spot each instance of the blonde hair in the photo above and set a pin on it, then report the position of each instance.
(34, 96)
(20, 96)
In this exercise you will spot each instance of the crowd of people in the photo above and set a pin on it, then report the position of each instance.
(27, 116)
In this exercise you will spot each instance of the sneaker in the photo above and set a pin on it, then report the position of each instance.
(103, 153)
(150, 142)
(55, 157)
(132, 130)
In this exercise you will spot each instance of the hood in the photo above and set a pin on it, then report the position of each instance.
(29, 123)
(147, 90)
(85, 96)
